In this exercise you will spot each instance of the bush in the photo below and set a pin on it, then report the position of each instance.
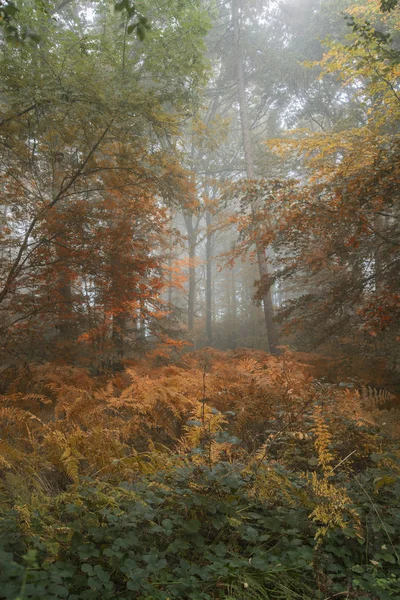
(312, 513)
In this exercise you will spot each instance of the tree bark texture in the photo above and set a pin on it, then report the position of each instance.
(209, 332)
(192, 239)
(248, 153)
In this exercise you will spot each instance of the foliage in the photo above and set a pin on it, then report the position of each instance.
(226, 475)
(16, 32)
(87, 181)
(234, 475)
(334, 229)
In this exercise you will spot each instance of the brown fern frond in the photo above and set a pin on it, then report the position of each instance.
(378, 398)
(84, 407)
(250, 365)
(17, 418)
(10, 455)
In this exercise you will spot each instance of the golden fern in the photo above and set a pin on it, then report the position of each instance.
(205, 422)
(10, 456)
(16, 416)
(333, 507)
(323, 439)
(251, 366)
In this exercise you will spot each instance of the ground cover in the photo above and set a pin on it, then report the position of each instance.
(223, 475)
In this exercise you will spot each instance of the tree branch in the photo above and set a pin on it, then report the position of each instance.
(18, 261)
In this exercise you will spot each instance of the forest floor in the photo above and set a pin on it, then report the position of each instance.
(224, 475)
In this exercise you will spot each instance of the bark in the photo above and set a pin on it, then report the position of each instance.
(234, 310)
(65, 319)
(379, 226)
(192, 240)
(23, 254)
(248, 153)
(120, 317)
(169, 297)
(209, 332)
(268, 309)
(118, 335)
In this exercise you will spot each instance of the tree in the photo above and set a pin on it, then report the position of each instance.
(16, 31)
(265, 283)
(337, 231)
(85, 159)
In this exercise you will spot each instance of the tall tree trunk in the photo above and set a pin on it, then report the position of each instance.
(119, 318)
(169, 297)
(379, 225)
(234, 309)
(192, 240)
(209, 280)
(65, 321)
(65, 310)
(248, 153)
(118, 337)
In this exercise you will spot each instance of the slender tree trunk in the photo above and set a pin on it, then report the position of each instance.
(118, 336)
(241, 90)
(192, 287)
(379, 224)
(234, 308)
(65, 311)
(268, 308)
(169, 299)
(209, 280)
(192, 239)
(119, 318)
(65, 321)
(244, 120)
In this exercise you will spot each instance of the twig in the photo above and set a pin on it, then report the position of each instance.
(342, 461)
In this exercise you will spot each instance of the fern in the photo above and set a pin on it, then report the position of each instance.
(333, 507)
(381, 399)
(59, 417)
(323, 440)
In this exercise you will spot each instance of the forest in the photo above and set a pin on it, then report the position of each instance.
(199, 299)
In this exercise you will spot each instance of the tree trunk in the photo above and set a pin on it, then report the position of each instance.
(169, 298)
(234, 309)
(119, 317)
(379, 225)
(208, 280)
(192, 239)
(65, 321)
(244, 121)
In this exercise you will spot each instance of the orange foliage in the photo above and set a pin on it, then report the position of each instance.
(61, 423)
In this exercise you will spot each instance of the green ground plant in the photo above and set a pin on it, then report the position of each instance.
(313, 513)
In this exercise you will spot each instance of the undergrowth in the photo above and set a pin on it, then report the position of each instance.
(227, 475)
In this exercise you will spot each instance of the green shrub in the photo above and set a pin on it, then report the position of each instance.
(191, 531)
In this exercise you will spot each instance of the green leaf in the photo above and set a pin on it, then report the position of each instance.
(220, 550)
(259, 563)
(86, 568)
(383, 481)
(389, 558)
(218, 522)
(192, 526)
(10, 9)
(358, 569)
(120, 6)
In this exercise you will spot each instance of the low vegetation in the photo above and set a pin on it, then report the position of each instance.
(226, 475)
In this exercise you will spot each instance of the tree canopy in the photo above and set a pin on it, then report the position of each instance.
(199, 300)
